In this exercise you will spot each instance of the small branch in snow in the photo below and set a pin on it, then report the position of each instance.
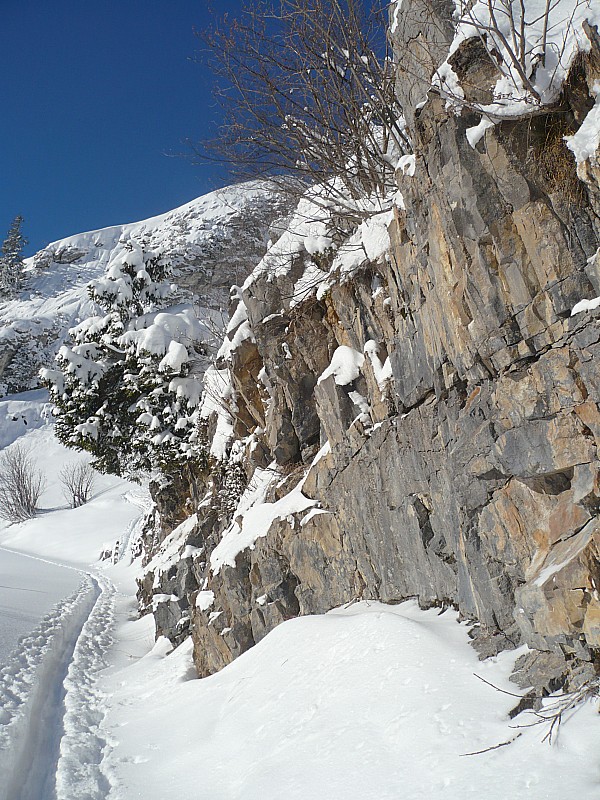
(498, 689)
(493, 747)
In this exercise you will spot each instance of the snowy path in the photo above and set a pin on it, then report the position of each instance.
(82, 747)
(32, 698)
(51, 709)
(57, 616)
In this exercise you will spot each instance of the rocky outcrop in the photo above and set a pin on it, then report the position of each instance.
(460, 464)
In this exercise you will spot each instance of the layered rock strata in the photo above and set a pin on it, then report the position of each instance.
(468, 472)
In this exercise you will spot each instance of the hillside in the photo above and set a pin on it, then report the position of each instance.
(415, 408)
(212, 242)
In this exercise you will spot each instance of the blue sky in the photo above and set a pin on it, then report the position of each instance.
(96, 100)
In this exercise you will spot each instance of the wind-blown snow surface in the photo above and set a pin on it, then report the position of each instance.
(368, 702)
(29, 589)
(365, 703)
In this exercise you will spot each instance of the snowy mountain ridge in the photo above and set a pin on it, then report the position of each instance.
(212, 242)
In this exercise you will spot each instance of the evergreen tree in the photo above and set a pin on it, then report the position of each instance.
(124, 389)
(11, 259)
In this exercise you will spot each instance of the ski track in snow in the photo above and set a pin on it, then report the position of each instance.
(51, 709)
(32, 695)
(82, 746)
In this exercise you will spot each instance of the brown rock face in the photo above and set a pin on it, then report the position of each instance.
(473, 479)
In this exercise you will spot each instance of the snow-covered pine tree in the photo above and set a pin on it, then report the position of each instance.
(11, 259)
(126, 389)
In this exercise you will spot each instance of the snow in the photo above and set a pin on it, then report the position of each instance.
(308, 242)
(361, 402)
(175, 357)
(308, 225)
(395, 16)
(585, 143)
(238, 330)
(254, 517)
(29, 589)
(345, 366)
(324, 451)
(312, 278)
(22, 413)
(447, 80)
(188, 388)
(317, 244)
(217, 398)
(204, 600)
(375, 236)
(49, 708)
(154, 333)
(55, 297)
(31, 699)
(553, 36)
(80, 774)
(585, 305)
(53, 533)
(314, 512)
(407, 164)
(381, 370)
(170, 550)
(352, 704)
(477, 132)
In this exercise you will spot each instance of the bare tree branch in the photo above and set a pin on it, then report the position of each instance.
(77, 480)
(20, 484)
(307, 91)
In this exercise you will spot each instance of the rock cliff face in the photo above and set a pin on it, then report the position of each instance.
(458, 462)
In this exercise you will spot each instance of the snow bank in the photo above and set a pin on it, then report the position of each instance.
(367, 703)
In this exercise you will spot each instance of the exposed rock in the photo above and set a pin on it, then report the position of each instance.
(471, 477)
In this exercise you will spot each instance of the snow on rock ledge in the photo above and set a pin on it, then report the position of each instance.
(255, 517)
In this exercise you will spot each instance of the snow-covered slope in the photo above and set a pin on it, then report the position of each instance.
(369, 702)
(213, 242)
(56, 606)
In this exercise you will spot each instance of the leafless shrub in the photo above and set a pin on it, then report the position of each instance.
(77, 480)
(554, 712)
(561, 707)
(21, 484)
(307, 91)
(520, 39)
